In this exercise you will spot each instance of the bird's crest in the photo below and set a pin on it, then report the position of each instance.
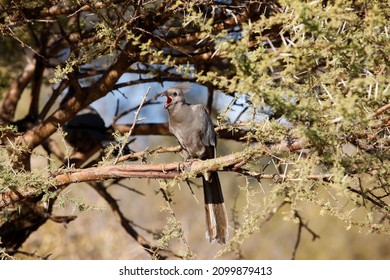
(183, 87)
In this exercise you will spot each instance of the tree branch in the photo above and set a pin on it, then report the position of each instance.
(122, 145)
(105, 84)
(380, 110)
(156, 171)
(8, 107)
(300, 226)
(177, 170)
(142, 154)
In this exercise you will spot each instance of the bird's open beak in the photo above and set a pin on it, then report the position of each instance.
(169, 99)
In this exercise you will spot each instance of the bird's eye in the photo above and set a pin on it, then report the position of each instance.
(175, 93)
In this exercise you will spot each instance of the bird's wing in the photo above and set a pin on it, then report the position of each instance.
(208, 136)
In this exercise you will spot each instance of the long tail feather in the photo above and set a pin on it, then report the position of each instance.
(216, 215)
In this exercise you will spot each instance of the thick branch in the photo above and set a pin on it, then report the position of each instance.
(176, 170)
(57, 10)
(12, 97)
(105, 84)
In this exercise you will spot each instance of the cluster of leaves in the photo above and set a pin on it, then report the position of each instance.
(326, 74)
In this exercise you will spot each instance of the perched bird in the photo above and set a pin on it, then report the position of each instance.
(87, 130)
(193, 128)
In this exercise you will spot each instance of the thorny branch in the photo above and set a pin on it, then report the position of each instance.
(172, 213)
(164, 171)
(156, 171)
(142, 154)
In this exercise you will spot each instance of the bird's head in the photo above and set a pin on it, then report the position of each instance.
(175, 94)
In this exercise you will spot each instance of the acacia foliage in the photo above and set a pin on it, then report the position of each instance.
(312, 78)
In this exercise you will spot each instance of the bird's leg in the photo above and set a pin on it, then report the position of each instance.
(191, 159)
(180, 167)
(185, 155)
(163, 169)
(187, 158)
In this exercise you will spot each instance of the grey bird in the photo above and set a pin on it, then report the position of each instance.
(194, 130)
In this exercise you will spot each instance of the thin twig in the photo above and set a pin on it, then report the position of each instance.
(240, 114)
(126, 224)
(294, 252)
(380, 110)
(142, 154)
(191, 190)
(120, 115)
(362, 191)
(13, 35)
(300, 226)
(169, 201)
(376, 201)
(127, 187)
(132, 127)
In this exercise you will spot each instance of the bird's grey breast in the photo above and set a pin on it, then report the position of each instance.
(188, 127)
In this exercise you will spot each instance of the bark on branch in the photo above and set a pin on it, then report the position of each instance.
(176, 170)
(7, 109)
